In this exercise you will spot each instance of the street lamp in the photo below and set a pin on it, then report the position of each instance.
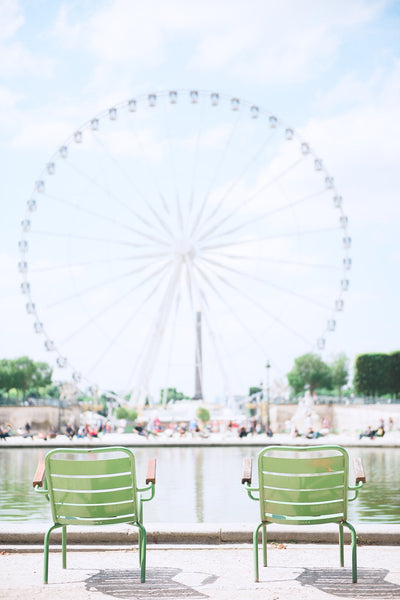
(267, 366)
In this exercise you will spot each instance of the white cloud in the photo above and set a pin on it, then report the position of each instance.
(11, 19)
(284, 42)
(16, 59)
(363, 142)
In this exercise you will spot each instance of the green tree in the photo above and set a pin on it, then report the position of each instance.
(6, 375)
(23, 370)
(41, 376)
(126, 413)
(309, 371)
(340, 372)
(394, 374)
(254, 390)
(172, 395)
(203, 414)
(371, 374)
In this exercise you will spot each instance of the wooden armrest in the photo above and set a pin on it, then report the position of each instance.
(359, 470)
(151, 471)
(247, 470)
(40, 474)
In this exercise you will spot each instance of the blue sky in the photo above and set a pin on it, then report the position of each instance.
(330, 69)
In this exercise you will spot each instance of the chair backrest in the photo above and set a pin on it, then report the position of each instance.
(303, 486)
(92, 487)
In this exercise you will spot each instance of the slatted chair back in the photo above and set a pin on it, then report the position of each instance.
(304, 486)
(95, 488)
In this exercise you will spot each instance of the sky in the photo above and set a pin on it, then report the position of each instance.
(329, 69)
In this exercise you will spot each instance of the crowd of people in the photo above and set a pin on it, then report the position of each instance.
(186, 429)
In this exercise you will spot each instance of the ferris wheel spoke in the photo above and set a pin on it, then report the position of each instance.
(255, 157)
(278, 261)
(196, 290)
(110, 195)
(235, 210)
(219, 163)
(132, 183)
(106, 282)
(257, 219)
(269, 237)
(154, 339)
(97, 262)
(111, 306)
(228, 305)
(266, 282)
(136, 313)
(194, 173)
(262, 308)
(87, 238)
(111, 220)
(164, 390)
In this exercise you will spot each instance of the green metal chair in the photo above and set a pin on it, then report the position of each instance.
(93, 487)
(303, 486)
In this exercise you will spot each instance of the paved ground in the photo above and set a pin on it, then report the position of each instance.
(300, 571)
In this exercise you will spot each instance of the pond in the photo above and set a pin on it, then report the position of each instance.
(201, 485)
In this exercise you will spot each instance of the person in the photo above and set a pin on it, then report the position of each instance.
(139, 428)
(242, 431)
(53, 432)
(81, 432)
(380, 430)
(325, 426)
(193, 427)
(70, 431)
(313, 435)
(268, 431)
(182, 429)
(27, 431)
(367, 433)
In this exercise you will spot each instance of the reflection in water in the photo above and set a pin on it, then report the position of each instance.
(201, 485)
(379, 502)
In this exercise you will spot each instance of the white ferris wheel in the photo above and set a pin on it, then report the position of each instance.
(173, 203)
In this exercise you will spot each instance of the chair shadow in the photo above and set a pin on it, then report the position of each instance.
(337, 582)
(126, 584)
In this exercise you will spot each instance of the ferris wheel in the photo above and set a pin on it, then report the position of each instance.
(173, 204)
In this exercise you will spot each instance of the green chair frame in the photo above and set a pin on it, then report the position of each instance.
(303, 486)
(94, 487)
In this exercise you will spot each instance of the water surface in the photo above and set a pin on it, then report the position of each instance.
(201, 485)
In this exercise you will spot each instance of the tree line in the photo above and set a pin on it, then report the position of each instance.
(378, 374)
(25, 376)
(375, 375)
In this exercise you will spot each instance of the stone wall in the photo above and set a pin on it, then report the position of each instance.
(40, 418)
(343, 418)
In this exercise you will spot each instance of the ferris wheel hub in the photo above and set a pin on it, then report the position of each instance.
(184, 249)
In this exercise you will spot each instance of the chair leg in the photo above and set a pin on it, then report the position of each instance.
(46, 553)
(255, 552)
(341, 548)
(264, 544)
(142, 539)
(353, 549)
(64, 546)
